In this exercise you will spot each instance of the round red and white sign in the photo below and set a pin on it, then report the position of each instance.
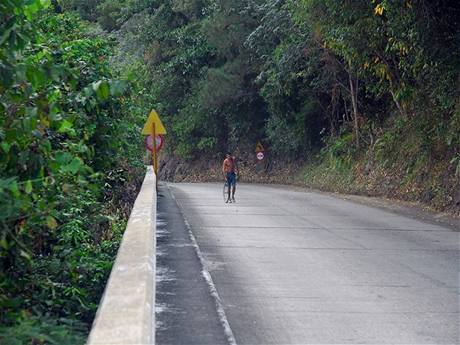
(260, 156)
(159, 142)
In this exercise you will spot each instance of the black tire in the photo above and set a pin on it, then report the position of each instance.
(226, 191)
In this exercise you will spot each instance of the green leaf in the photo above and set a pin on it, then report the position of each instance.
(24, 254)
(65, 127)
(73, 166)
(4, 244)
(35, 76)
(34, 6)
(63, 157)
(6, 183)
(28, 187)
(15, 189)
(45, 3)
(5, 147)
(7, 33)
(51, 222)
(102, 89)
(46, 146)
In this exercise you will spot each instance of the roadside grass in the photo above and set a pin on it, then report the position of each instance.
(398, 166)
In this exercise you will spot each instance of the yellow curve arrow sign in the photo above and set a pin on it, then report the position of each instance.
(153, 119)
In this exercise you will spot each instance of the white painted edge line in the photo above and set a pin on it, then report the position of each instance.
(126, 312)
(207, 276)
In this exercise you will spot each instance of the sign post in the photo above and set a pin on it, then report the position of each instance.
(260, 157)
(260, 151)
(154, 151)
(154, 127)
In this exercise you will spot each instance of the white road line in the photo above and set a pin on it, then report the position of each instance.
(207, 276)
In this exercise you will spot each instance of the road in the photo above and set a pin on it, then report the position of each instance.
(296, 267)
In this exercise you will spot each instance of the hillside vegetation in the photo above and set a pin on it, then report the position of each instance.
(364, 94)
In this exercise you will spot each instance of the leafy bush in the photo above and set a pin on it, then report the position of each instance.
(66, 183)
(43, 330)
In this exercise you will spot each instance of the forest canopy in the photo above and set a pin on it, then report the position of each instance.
(225, 71)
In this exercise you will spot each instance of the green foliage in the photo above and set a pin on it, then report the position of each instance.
(85, 8)
(43, 330)
(110, 14)
(63, 177)
(302, 76)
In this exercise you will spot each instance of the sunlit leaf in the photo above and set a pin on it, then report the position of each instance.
(51, 222)
(102, 89)
(65, 127)
(4, 244)
(33, 6)
(25, 254)
(5, 147)
(28, 187)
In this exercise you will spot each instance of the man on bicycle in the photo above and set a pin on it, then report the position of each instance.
(230, 172)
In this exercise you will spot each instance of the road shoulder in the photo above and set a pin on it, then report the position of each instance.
(185, 310)
(408, 209)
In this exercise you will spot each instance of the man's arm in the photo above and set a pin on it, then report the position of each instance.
(223, 169)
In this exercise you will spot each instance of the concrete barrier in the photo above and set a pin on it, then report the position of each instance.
(126, 314)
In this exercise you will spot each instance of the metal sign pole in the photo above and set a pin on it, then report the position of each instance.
(154, 152)
(152, 127)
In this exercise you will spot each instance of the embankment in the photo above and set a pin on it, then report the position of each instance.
(438, 189)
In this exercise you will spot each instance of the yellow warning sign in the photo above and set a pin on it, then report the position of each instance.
(153, 119)
(259, 147)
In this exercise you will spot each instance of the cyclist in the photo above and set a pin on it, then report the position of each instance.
(230, 172)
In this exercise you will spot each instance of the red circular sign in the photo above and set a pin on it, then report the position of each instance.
(260, 156)
(160, 140)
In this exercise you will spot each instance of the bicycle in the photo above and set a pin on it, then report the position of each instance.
(226, 191)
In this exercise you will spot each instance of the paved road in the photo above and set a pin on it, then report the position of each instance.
(186, 312)
(294, 267)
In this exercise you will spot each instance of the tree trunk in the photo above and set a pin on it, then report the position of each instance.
(398, 105)
(334, 101)
(354, 102)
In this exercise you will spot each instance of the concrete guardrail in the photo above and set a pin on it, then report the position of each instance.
(126, 313)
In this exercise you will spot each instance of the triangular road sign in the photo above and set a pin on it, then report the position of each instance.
(259, 147)
(148, 127)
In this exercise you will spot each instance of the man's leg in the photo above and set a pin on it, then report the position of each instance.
(229, 182)
(233, 187)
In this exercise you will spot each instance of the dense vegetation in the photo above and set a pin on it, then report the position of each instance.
(69, 169)
(365, 92)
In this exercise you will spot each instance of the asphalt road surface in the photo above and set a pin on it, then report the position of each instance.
(281, 266)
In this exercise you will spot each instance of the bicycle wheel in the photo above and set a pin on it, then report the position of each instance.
(226, 191)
